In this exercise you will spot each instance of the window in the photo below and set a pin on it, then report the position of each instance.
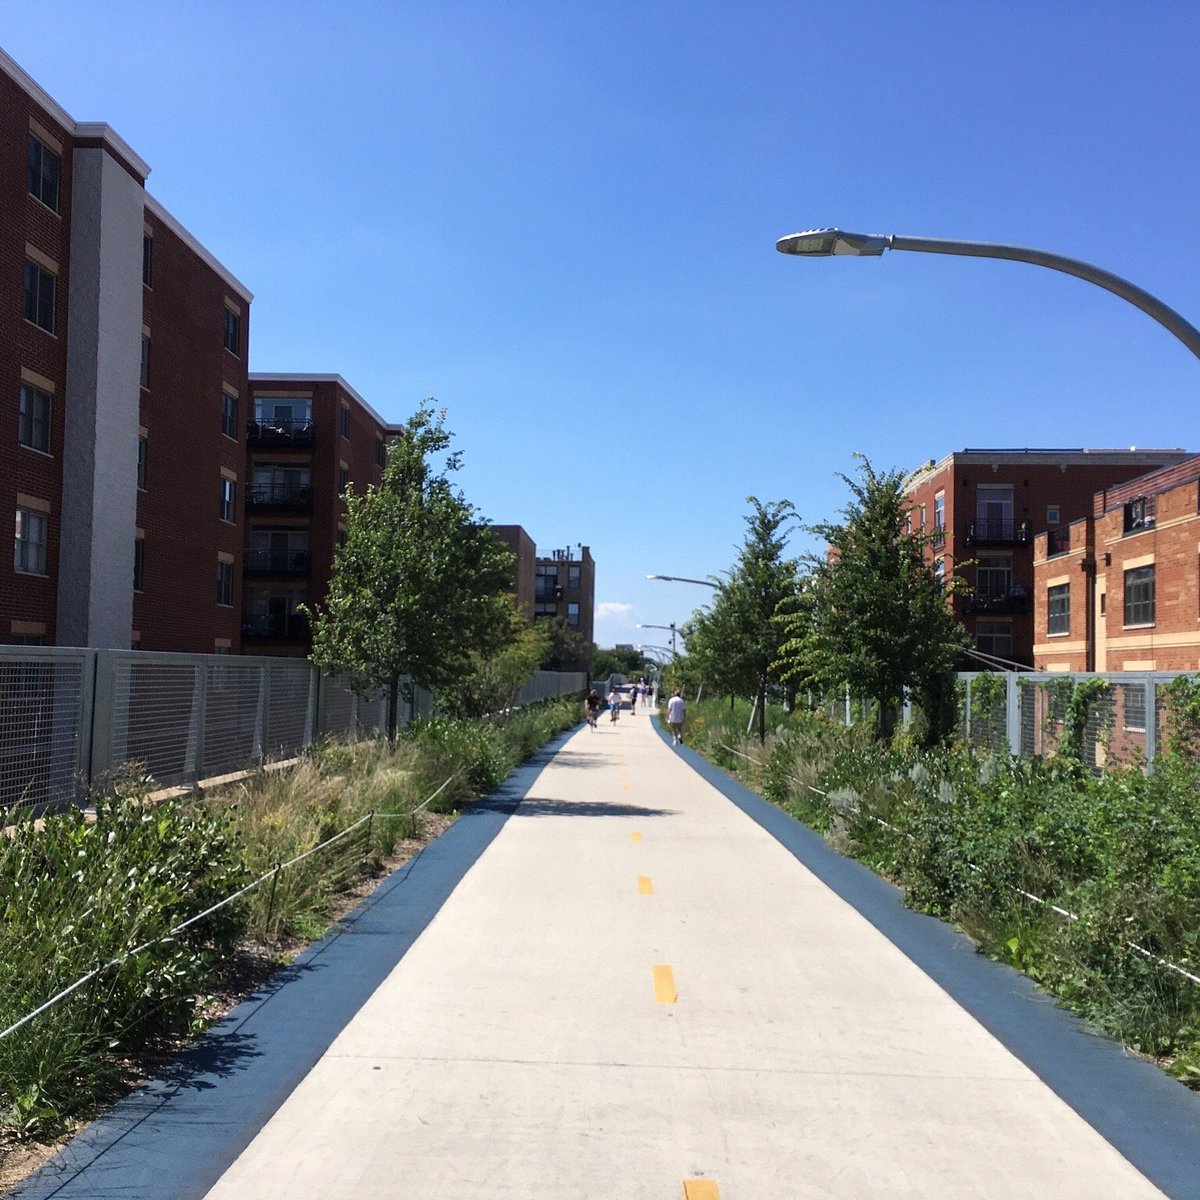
(939, 511)
(920, 516)
(229, 416)
(344, 421)
(343, 480)
(39, 296)
(1140, 514)
(139, 562)
(279, 485)
(1103, 603)
(233, 331)
(994, 638)
(141, 464)
(43, 173)
(341, 538)
(280, 551)
(1139, 596)
(1058, 608)
(939, 571)
(225, 584)
(994, 512)
(545, 610)
(33, 429)
(270, 613)
(379, 457)
(1134, 696)
(545, 582)
(573, 614)
(145, 377)
(1053, 515)
(574, 576)
(147, 260)
(227, 493)
(993, 576)
(29, 549)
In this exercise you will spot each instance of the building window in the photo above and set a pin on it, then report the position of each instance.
(233, 331)
(141, 464)
(227, 494)
(33, 428)
(145, 376)
(994, 638)
(1053, 515)
(1103, 603)
(545, 584)
(225, 584)
(344, 421)
(1058, 608)
(993, 576)
(39, 296)
(939, 571)
(574, 576)
(341, 538)
(43, 173)
(29, 549)
(229, 415)
(1140, 514)
(994, 512)
(573, 614)
(1134, 696)
(545, 610)
(1139, 596)
(379, 452)
(139, 562)
(147, 260)
(283, 417)
(343, 480)
(281, 485)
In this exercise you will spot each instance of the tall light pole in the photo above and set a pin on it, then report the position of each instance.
(671, 627)
(685, 579)
(822, 243)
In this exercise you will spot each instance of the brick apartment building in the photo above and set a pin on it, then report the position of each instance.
(983, 509)
(122, 369)
(525, 569)
(308, 438)
(1119, 588)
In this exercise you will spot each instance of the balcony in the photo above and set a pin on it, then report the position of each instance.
(1014, 601)
(294, 497)
(274, 627)
(280, 431)
(277, 562)
(1058, 541)
(1004, 532)
(937, 539)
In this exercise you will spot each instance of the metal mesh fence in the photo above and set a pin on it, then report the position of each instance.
(151, 716)
(337, 707)
(290, 698)
(231, 732)
(41, 703)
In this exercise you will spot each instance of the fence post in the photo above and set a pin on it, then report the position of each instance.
(849, 722)
(259, 750)
(312, 718)
(193, 762)
(1151, 692)
(102, 734)
(87, 731)
(1012, 712)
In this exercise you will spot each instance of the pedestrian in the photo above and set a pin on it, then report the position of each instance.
(633, 695)
(614, 705)
(676, 712)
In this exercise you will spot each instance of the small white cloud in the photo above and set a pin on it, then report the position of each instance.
(610, 610)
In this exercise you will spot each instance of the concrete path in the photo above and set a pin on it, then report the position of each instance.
(638, 989)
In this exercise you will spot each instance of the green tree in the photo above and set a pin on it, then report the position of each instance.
(420, 588)
(876, 616)
(735, 644)
(566, 649)
(495, 679)
(617, 662)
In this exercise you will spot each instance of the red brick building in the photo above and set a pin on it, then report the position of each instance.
(525, 552)
(121, 348)
(1119, 589)
(983, 509)
(308, 438)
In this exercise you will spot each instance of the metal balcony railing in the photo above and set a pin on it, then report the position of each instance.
(279, 495)
(1000, 532)
(277, 562)
(280, 431)
(1013, 601)
(275, 627)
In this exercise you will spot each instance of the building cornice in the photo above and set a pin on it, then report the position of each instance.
(1038, 457)
(155, 208)
(300, 377)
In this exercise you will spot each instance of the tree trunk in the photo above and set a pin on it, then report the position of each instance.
(393, 706)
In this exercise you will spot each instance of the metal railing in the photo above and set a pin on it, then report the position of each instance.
(277, 562)
(288, 431)
(279, 495)
(997, 532)
(71, 718)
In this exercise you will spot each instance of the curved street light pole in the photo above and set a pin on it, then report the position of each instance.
(670, 627)
(684, 579)
(822, 243)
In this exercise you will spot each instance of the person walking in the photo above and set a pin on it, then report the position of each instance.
(676, 712)
(614, 705)
(633, 697)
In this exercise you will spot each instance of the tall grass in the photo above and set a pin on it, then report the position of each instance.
(77, 892)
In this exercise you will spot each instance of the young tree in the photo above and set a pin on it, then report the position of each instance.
(876, 617)
(420, 588)
(736, 643)
(566, 648)
(495, 679)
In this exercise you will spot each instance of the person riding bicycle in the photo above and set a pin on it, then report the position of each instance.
(592, 705)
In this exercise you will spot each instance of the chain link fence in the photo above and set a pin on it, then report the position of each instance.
(70, 718)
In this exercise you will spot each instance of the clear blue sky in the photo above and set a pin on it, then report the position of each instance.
(559, 219)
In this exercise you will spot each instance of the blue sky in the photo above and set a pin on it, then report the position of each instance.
(559, 219)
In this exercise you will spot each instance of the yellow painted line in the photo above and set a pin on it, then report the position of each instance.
(635, 837)
(701, 1189)
(625, 787)
(664, 984)
(645, 886)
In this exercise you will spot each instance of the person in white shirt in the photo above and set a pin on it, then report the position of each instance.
(676, 711)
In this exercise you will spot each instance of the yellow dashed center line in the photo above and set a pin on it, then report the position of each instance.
(664, 984)
(625, 787)
(645, 886)
(635, 837)
(701, 1189)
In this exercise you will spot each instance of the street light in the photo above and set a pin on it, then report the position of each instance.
(671, 627)
(684, 579)
(823, 243)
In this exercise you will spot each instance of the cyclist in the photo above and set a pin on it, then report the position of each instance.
(591, 707)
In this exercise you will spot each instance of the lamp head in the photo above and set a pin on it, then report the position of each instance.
(821, 243)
